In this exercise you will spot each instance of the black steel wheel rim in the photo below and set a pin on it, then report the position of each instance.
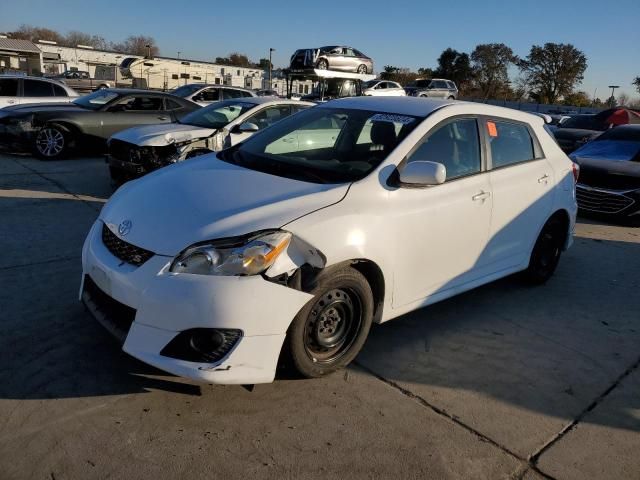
(332, 325)
(548, 252)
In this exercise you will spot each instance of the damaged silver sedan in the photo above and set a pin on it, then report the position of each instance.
(140, 150)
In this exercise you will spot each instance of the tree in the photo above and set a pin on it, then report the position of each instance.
(554, 70)
(74, 38)
(239, 60)
(577, 99)
(137, 45)
(490, 68)
(264, 64)
(28, 32)
(426, 72)
(623, 99)
(455, 66)
(636, 82)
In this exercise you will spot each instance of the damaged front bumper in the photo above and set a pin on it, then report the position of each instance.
(148, 308)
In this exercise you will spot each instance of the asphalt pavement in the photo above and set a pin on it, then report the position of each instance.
(504, 382)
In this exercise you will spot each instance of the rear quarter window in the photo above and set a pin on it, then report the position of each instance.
(510, 143)
(36, 88)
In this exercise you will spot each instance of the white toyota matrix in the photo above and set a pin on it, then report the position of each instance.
(288, 246)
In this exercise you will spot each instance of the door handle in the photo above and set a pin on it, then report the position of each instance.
(11, 101)
(543, 179)
(162, 117)
(481, 196)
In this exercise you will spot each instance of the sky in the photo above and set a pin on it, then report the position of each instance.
(400, 33)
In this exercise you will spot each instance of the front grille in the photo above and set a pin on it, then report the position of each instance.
(124, 251)
(601, 201)
(121, 150)
(115, 316)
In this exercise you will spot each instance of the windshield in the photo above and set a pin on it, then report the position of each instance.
(186, 90)
(623, 150)
(324, 145)
(95, 100)
(217, 115)
(586, 122)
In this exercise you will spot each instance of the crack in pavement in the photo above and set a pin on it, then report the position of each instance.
(533, 459)
(42, 262)
(443, 413)
(59, 185)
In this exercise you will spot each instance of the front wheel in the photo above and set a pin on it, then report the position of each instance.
(362, 69)
(322, 64)
(546, 252)
(330, 330)
(52, 142)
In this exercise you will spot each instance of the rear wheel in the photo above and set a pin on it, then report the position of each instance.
(330, 330)
(322, 64)
(451, 97)
(52, 142)
(546, 252)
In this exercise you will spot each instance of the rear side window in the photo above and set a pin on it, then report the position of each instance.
(8, 87)
(172, 104)
(230, 93)
(36, 88)
(456, 145)
(59, 91)
(510, 143)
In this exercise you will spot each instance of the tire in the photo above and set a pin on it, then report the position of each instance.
(52, 142)
(330, 330)
(451, 97)
(322, 64)
(362, 70)
(546, 252)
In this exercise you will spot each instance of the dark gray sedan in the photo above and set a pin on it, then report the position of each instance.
(52, 130)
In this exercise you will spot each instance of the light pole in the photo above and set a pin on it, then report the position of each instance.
(613, 89)
(148, 50)
(271, 50)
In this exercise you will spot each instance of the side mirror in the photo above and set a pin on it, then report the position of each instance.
(423, 173)
(246, 127)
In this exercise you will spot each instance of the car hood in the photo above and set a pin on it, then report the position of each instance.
(205, 199)
(574, 133)
(162, 134)
(607, 167)
(43, 108)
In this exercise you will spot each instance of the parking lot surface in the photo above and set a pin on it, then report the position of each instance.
(506, 381)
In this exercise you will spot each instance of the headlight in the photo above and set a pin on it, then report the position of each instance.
(252, 258)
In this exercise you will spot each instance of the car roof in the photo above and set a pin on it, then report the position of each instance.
(131, 91)
(419, 107)
(423, 107)
(261, 100)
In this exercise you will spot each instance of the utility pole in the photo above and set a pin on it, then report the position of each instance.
(271, 50)
(613, 99)
(178, 55)
(148, 46)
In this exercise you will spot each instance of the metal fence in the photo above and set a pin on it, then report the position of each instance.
(536, 107)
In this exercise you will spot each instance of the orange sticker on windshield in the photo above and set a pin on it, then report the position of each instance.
(493, 131)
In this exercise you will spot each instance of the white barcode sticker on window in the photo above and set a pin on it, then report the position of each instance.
(389, 117)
